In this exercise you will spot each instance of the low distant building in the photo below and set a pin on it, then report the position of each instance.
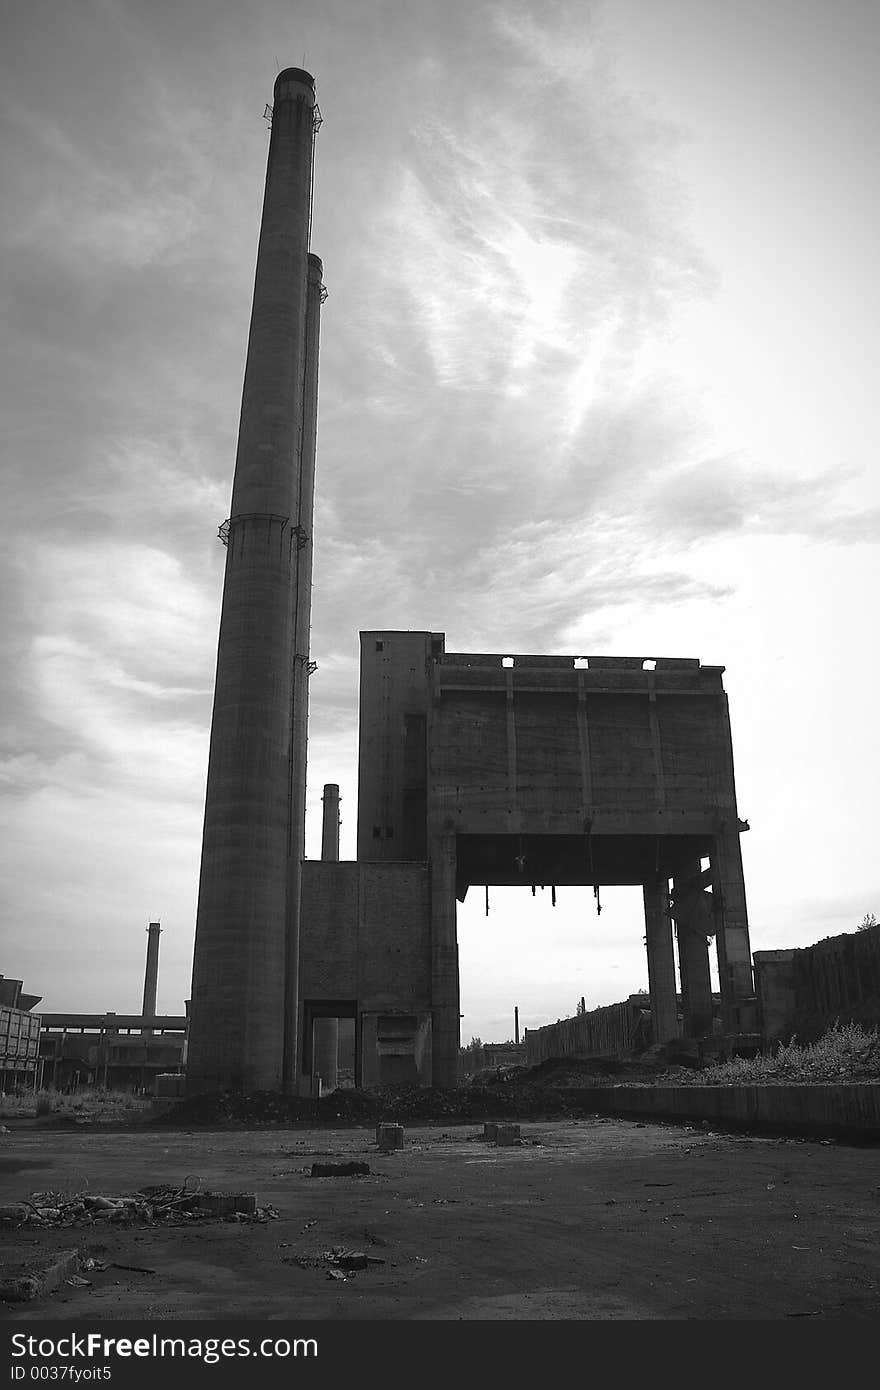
(116, 1051)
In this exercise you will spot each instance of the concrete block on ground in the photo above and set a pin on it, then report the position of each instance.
(496, 1132)
(507, 1135)
(389, 1137)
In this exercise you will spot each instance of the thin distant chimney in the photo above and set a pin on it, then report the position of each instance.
(151, 974)
(516, 1023)
(330, 825)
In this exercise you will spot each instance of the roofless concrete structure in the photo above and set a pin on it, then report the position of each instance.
(244, 987)
(474, 768)
(480, 768)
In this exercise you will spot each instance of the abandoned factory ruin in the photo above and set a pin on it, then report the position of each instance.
(474, 768)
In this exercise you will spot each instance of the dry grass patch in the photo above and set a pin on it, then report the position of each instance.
(97, 1106)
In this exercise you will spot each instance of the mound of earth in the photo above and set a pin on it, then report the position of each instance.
(554, 1088)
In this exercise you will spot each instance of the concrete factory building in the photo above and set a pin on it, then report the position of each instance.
(473, 768)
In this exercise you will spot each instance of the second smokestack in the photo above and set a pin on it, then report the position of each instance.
(151, 973)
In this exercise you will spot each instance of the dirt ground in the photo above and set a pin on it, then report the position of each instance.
(595, 1219)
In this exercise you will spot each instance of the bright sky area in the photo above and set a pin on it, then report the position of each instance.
(599, 374)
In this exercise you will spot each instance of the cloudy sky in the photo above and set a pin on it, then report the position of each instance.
(599, 374)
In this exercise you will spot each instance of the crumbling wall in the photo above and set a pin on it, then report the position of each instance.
(802, 992)
(607, 1032)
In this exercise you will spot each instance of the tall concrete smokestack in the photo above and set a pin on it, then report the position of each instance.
(151, 973)
(243, 1031)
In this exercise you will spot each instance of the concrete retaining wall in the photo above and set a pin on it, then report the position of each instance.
(844, 1111)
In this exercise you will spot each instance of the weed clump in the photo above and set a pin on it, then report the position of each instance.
(845, 1052)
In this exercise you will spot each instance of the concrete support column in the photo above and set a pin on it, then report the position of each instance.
(445, 1039)
(738, 1004)
(326, 1050)
(326, 1039)
(693, 924)
(661, 960)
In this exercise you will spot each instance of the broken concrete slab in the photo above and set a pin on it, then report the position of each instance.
(14, 1213)
(340, 1170)
(355, 1259)
(37, 1283)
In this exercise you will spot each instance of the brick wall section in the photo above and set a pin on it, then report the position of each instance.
(328, 935)
(366, 934)
(394, 965)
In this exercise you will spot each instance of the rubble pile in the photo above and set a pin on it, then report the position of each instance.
(558, 1088)
(148, 1206)
(552, 1090)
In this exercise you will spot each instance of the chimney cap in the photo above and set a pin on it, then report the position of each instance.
(295, 75)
